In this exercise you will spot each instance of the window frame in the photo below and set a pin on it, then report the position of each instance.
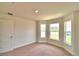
(65, 33)
(40, 31)
(58, 32)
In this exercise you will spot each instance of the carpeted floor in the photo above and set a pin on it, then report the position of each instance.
(37, 49)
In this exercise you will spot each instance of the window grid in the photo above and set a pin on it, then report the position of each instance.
(43, 30)
(67, 32)
(54, 31)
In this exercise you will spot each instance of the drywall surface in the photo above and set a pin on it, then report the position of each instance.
(25, 32)
(76, 32)
(16, 32)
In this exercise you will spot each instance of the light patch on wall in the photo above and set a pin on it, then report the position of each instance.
(53, 16)
(36, 11)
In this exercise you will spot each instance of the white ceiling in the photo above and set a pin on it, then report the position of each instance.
(47, 10)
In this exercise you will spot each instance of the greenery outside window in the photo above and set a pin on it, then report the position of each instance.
(54, 31)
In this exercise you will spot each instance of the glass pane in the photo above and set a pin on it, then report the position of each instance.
(54, 31)
(42, 34)
(43, 30)
(68, 32)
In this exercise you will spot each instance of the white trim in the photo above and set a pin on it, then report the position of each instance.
(63, 48)
(6, 50)
(3, 51)
(42, 41)
(55, 44)
(24, 44)
(68, 50)
(10, 49)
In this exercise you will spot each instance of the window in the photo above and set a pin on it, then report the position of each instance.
(43, 30)
(67, 31)
(54, 31)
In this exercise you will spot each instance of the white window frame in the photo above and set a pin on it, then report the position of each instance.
(65, 33)
(40, 31)
(58, 32)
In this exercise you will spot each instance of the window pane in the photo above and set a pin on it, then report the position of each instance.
(54, 31)
(67, 27)
(43, 30)
(42, 34)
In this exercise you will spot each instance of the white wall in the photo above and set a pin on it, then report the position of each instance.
(6, 31)
(0, 35)
(76, 32)
(22, 30)
(25, 32)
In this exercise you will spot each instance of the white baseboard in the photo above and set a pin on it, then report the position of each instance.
(69, 51)
(63, 48)
(24, 44)
(42, 42)
(10, 49)
(55, 44)
(6, 50)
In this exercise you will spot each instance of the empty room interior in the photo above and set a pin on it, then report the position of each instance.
(39, 28)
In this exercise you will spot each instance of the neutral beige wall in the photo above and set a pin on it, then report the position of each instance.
(6, 31)
(22, 30)
(25, 32)
(76, 32)
(0, 35)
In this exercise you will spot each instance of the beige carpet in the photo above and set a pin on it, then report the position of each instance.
(38, 49)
